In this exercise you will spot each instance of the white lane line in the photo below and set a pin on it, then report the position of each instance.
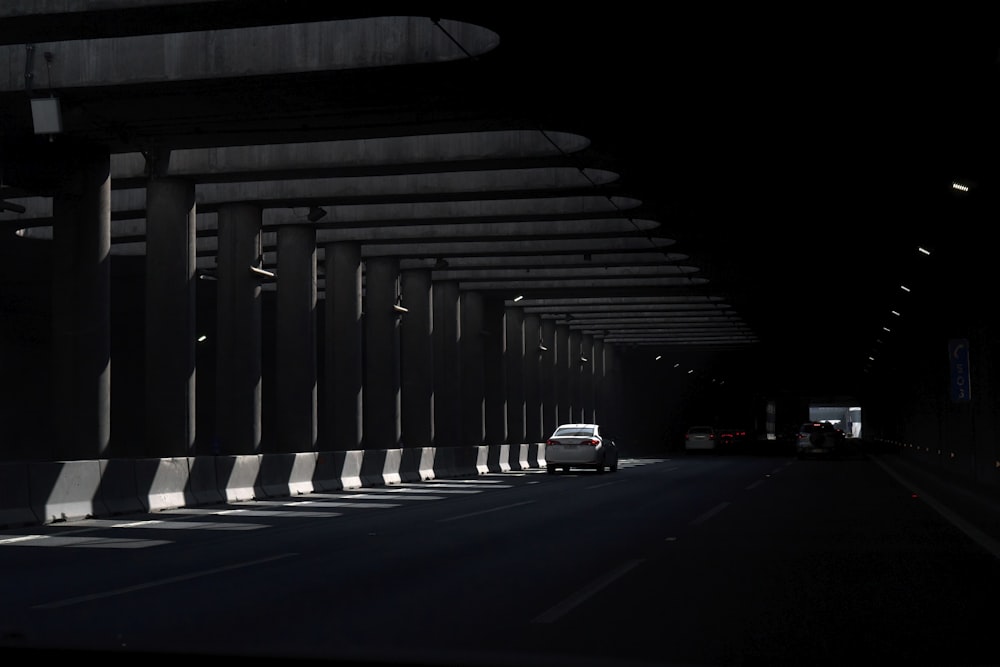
(172, 525)
(495, 509)
(597, 486)
(396, 496)
(315, 503)
(976, 535)
(68, 541)
(457, 484)
(153, 584)
(106, 543)
(436, 489)
(710, 513)
(464, 487)
(575, 600)
(334, 503)
(280, 513)
(21, 539)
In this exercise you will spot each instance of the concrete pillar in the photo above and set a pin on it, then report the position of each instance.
(381, 360)
(417, 359)
(564, 410)
(533, 356)
(574, 367)
(81, 309)
(447, 365)
(612, 388)
(550, 394)
(494, 371)
(295, 338)
(587, 378)
(473, 396)
(515, 366)
(599, 372)
(238, 329)
(170, 318)
(342, 347)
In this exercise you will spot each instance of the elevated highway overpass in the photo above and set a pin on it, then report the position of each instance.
(337, 199)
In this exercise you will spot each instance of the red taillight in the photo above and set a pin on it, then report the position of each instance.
(550, 441)
(594, 441)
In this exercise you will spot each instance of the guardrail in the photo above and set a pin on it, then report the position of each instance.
(33, 493)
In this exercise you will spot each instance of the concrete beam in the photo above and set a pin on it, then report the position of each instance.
(235, 52)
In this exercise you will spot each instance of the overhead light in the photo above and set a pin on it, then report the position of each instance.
(261, 272)
(583, 360)
(518, 298)
(315, 213)
(46, 118)
(45, 115)
(658, 357)
(202, 338)
(399, 309)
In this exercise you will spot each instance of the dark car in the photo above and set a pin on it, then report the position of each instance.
(700, 438)
(730, 437)
(818, 438)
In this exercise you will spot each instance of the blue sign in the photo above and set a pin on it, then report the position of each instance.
(958, 359)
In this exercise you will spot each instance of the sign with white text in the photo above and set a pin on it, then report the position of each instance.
(958, 358)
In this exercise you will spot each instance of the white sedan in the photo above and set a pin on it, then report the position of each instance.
(580, 446)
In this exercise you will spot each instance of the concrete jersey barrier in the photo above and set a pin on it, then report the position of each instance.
(49, 492)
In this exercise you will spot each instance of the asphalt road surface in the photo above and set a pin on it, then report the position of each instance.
(693, 560)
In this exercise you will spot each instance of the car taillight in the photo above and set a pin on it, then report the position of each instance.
(550, 441)
(594, 441)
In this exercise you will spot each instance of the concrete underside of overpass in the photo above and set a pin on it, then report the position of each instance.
(377, 176)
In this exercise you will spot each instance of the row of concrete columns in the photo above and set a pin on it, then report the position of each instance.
(451, 367)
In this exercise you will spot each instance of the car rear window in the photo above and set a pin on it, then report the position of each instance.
(812, 427)
(574, 431)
